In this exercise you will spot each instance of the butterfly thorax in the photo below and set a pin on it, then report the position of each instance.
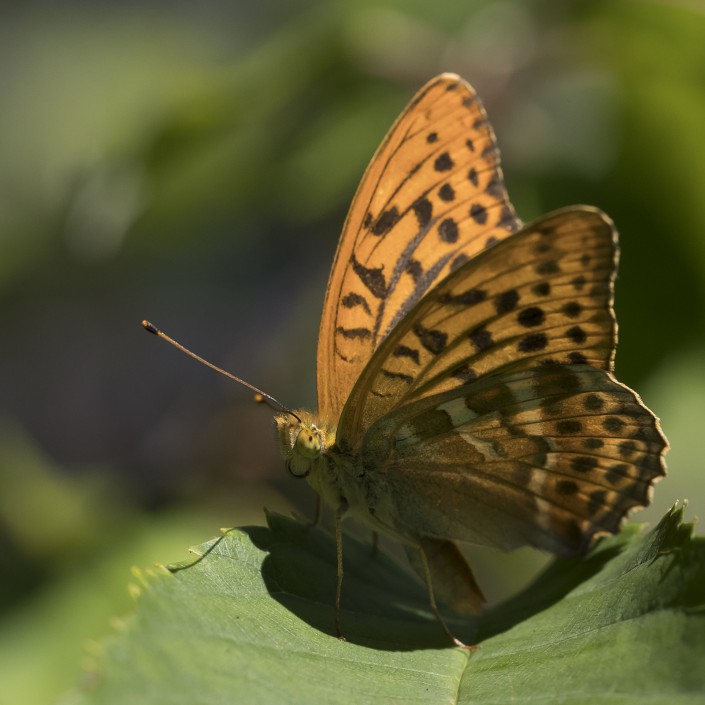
(309, 450)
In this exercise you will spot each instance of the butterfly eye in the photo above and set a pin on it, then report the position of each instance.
(308, 442)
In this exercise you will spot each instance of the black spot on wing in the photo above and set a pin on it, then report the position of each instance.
(596, 501)
(613, 424)
(397, 375)
(627, 448)
(617, 473)
(352, 299)
(577, 358)
(548, 362)
(593, 402)
(371, 277)
(443, 162)
(354, 333)
(496, 398)
(478, 213)
(386, 221)
(541, 289)
(577, 335)
(533, 342)
(460, 260)
(464, 373)
(507, 301)
(405, 351)
(572, 309)
(471, 297)
(446, 193)
(481, 338)
(547, 268)
(448, 230)
(423, 210)
(566, 427)
(584, 463)
(578, 282)
(434, 341)
(567, 487)
(531, 317)
(432, 423)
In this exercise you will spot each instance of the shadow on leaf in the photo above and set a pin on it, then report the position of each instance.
(383, 605)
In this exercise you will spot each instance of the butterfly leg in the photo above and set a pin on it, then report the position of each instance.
(340, 511)
(434, 606)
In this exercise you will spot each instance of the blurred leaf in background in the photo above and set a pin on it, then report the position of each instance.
(193, 164)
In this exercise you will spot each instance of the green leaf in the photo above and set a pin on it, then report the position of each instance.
(253, 623)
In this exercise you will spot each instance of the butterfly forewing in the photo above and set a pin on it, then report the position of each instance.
(544, 295)
(549, 456)
(432, 198)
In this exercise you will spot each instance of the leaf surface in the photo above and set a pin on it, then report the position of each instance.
(253, 623)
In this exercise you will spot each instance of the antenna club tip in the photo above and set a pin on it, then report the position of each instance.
(150, 328)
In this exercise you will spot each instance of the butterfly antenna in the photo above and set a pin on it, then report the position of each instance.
(260, 396)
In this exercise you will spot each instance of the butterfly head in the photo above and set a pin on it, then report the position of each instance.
(302, 441)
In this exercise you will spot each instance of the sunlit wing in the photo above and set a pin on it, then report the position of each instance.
(544, 294)
(432, 197)
(549, 456)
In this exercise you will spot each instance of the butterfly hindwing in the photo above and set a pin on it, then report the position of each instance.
(550, 456)
(432, 197)
(542, 295)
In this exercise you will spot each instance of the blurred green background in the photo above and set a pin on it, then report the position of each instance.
(192, 164)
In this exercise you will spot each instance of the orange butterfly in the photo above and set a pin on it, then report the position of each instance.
(465, 387)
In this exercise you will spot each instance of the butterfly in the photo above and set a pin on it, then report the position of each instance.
(464, 364)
